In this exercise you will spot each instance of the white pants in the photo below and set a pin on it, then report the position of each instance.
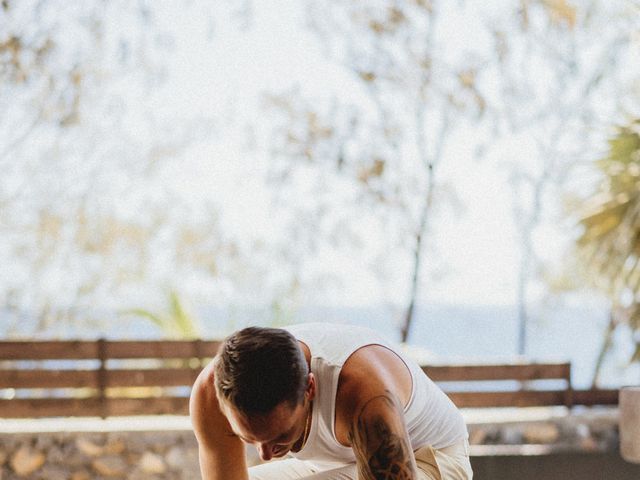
(293, 469)
(445, 464)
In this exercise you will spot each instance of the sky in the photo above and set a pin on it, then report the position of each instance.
(215, 76)
(212, 71)
(478, 244)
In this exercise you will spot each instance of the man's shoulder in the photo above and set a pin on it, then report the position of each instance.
(203, 391)
(207, 418)
(374, 369)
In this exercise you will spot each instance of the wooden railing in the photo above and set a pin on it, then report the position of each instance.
(99, 378)
(121, 378)
(515, 385)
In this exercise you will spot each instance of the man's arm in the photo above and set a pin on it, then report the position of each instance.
(380, 441)
(222, 454)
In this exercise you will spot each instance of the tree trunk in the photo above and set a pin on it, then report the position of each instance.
(604, 349)
(430, 164)
(521, 299)
(417, 256)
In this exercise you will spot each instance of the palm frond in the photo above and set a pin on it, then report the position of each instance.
(609, 245)
(140, 312)
(176, 322)
(183, 321)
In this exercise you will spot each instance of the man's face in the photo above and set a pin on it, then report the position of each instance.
(274, 434)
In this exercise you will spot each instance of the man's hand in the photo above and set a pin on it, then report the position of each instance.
(380, 441)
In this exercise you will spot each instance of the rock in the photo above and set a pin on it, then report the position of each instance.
(137, 444)
(588, 444)
(110, 466)
(115, 447)
(140, 475)
(511, 435)
(81, 475)
(88, 447)
(541, 433)
(44, 443)
(477, 437)
(26, 461)
(608, 439)
(53, 472)
(152, 463)
(57, 456)
(582, 431)
(180, 458)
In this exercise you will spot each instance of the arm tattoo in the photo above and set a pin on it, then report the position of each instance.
(379, 442)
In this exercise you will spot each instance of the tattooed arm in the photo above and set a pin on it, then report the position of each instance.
(380, 441)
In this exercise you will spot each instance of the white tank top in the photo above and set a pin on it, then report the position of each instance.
(431, 418)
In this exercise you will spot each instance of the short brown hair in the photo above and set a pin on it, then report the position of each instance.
(258, 368)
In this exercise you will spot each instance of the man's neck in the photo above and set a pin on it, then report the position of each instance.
(305, 434)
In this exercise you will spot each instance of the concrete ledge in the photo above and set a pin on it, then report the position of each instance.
(93, 424)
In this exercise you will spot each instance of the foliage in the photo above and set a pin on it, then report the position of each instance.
(408, 97)
(176, 322)
(609, 245)
(116, 166)
(88, 219)
(553, 96)
(385, 133)
(612, 219)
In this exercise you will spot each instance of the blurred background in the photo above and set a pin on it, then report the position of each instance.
(462, 176)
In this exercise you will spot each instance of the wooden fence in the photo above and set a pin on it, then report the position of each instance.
(515, 385)
(121, 378)
(99, 378)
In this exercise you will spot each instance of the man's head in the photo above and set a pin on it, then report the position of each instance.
(257, 369)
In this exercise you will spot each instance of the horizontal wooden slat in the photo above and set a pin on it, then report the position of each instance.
(534, 371)
(533, 398)
(25, 350)
(93, 407)
(70, 350)
(48, 378)
(523, 398)
(161, 349)
(162, 377)
(595, 397)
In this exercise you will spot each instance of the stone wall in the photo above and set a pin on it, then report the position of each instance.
(156, 449)
(134, 455)
(589, 431)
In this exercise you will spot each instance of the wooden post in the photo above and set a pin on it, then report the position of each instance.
(630, 423)
(568, 396)
(197, 353)
(102, 376)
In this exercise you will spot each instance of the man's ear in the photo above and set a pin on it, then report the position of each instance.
(311, 386)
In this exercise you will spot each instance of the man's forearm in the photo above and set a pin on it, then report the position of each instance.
(224, 460)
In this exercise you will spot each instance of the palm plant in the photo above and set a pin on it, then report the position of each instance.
(176, 322)
(609, 246)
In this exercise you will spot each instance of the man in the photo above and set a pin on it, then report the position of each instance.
(337, 400)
